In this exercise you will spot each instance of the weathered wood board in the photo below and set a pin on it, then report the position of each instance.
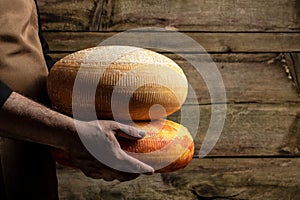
(245, 82)
(249, 129)
(211, 42)
(224, 179)
(185, 15)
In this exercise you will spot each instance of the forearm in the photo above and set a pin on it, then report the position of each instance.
(24, 119)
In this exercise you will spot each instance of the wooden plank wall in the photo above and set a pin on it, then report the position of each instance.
(257, 155)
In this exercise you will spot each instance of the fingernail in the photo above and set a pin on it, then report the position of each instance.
(149, 173)
(142, 133)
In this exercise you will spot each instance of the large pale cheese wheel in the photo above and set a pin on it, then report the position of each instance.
(137, 77)
(167, 146)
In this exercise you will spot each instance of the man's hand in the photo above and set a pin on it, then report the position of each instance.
(100, 137)
(24, 119)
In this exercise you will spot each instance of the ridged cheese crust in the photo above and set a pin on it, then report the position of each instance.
(167, 147)
(144, 77)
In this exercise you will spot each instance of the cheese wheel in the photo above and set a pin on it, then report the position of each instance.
(128, 81)
(167, 146)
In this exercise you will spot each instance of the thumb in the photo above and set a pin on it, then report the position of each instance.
(129, 132)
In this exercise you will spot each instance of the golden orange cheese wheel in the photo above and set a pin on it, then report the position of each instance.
(167, 146)
(128, 81)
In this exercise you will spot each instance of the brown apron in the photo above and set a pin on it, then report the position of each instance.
(28, 171)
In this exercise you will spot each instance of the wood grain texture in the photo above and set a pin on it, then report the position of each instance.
(67, 14)
(249, 129)
(203, 15)
(258, 82)
(191, 15)
(211, 42)
(224, 179)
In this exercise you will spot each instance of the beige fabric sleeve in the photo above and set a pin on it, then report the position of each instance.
(22, 65)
